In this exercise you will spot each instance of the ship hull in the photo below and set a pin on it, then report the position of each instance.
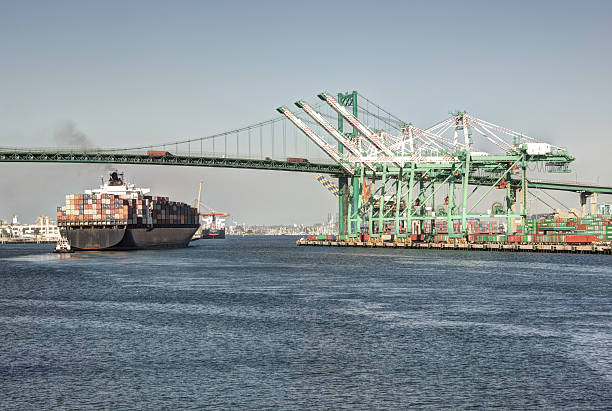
(208, 234)
(130, 238)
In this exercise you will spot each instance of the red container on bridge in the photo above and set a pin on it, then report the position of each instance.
(158, 153)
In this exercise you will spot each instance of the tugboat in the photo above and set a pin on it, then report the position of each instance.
(63, 246)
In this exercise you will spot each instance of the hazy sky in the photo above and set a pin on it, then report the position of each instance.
(130, 73)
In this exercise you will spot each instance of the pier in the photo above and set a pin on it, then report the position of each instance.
(500, 247)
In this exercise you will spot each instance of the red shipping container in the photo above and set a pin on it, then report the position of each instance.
(585, 238)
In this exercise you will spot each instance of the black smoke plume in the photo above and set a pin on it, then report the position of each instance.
(68, 136)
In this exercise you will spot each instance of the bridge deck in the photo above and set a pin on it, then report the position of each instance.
(145, 159)
(21, 156)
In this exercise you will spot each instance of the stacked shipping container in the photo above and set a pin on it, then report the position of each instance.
(103, 209)
(586, 230)
(473, 227)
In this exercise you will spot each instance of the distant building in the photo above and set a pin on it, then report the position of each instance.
(44, 230)
(605, 209)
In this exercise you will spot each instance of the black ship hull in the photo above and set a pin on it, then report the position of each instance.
(208, 234)
(128, 238)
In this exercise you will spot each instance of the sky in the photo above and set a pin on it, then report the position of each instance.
(136, 73)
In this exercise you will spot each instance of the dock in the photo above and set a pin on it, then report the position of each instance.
(604, 248)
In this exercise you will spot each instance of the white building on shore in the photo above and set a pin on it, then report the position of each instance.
(44, 230)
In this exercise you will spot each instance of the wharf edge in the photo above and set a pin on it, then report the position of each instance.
(500, 247)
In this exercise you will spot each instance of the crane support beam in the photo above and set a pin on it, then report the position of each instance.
(575, 187)
(369, 135)
(350, 145)
(331, 151)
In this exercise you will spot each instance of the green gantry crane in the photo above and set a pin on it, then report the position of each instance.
(391, 181)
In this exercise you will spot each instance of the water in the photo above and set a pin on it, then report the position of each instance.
(260, 323)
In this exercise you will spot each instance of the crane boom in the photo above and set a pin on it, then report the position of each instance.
(197, 205)
(332, 131)
(330, 150)
(369, 135)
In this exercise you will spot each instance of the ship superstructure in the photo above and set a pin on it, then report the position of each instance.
(211, 227)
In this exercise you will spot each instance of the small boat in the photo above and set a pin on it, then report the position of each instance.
(63, 246)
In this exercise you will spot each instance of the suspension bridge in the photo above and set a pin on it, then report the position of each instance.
(389, 172)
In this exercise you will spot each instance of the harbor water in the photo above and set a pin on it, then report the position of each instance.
(256, 322)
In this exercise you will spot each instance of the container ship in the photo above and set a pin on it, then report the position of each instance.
(119, 216)
(212, 222)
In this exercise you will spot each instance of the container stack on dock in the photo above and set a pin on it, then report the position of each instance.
(592, 233)
(102, 209)
(478, 231)
(588, 229)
